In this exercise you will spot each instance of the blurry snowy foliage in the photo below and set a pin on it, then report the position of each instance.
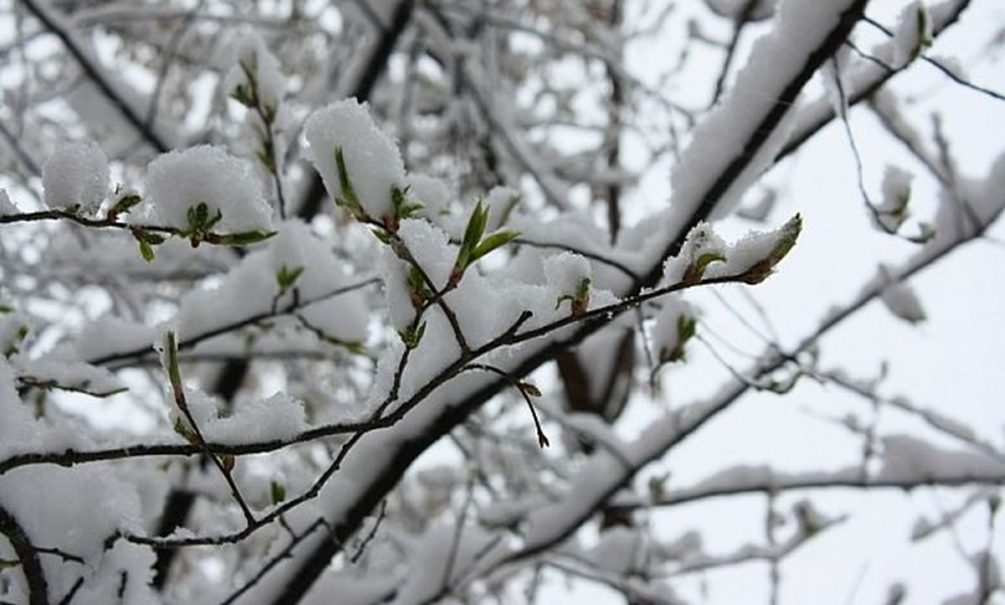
(406, 301)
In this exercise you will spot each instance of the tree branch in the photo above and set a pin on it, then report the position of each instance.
(27, 554)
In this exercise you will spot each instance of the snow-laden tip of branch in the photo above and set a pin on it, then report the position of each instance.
(373, 164)
(76, 175)
(675, 325)
(254, 64)
(706, 255)
(901, 300)
(180, 181)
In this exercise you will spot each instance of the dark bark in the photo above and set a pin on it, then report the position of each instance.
(31, 566)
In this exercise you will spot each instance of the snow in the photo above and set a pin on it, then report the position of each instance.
(901, 300)
(76, 174)
(277, 417)
(72, 375)
(434, 195)
(352, 586)
(619, 550)
(757, 247)
(907, 458)
(602, 360)
(123, 574)
(862, 75)
(180, 180)
(249, 49)
(19, 430)
(666, 337)
(913, 33)
(394, 275)
(7, 207)
(250, 287)
(896, 194)
(575, 230)
(706, 255)
(500, 201)
(701, 241)
(14, 328)
(372, 160)
(775, 59)
(565, 272)
(110, 335)
(343, 317)
(76, 510)
(431, 560)
(430, 248)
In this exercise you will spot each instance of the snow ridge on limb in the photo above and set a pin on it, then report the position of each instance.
(386, 455)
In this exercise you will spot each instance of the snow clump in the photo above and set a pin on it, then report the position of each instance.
(373, 163)
(180, 180)
(250, 51)
(77, 174)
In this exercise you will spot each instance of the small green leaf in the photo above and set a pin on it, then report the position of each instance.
(286, 277)
(530, 389)
(147, 241)
(472, 235)
(171, 361)
(580, 300)
(789, 234)
(355, 347)
(265, 157)
(182, 429)
(152, 238)
(412, 336)
(686, 328)
(277, 492)
(707, 259)
(146, 250)
(348, 198)
(382, 235)
(125, 204)
(417, 286)
(242, 95)
(493, 241)
(657, 487)
(243, 238)
(270, 112)
(211, 222)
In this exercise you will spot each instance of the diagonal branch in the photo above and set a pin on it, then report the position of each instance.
(64, 31)
(27, 554)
